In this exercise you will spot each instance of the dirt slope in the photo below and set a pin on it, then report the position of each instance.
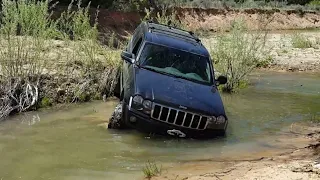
(208, 19)
(220, 19)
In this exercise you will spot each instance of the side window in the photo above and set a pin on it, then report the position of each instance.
(136, 47)
(132, 40)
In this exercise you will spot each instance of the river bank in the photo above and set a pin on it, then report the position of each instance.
(295, 156)
(284, 55)
(209, 20)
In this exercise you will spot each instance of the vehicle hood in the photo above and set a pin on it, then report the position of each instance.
(176, 91)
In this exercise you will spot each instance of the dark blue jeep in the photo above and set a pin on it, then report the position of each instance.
(167, 85)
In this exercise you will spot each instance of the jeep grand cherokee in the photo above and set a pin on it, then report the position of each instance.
(167, 85)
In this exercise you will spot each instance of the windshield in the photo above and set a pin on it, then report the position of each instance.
(176, 62)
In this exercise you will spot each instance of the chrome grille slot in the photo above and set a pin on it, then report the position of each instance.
(156, 111)
(172, 115)
(195, 121)
(188, 120)
(203, 122)
(178, 117)
(164, 114)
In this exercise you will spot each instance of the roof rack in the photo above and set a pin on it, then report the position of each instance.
(191, 33)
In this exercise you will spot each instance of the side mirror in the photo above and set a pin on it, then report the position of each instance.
(127, 56)
(221, 80)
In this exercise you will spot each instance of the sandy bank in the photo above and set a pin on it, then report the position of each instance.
(301, 161)
(284, 56)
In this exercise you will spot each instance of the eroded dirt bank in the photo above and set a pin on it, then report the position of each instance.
(296, 157)
(206, 20)
(221, 19)
(210, 20)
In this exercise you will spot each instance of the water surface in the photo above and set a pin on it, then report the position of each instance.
(72, 143)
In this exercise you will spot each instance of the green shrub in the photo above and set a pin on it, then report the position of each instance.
(300, 41)
(33, 64)
(238, 53)
(151, 169)
(166, 17)
(315, 3)
(46, 102)
(265, 62)
(75, 24)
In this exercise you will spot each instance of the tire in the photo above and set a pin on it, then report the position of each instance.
(116, 120)
(118, 87)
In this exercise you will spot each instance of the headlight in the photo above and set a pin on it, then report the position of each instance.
(147, 104)
(137, 100)
(141, 105)
(213, 122)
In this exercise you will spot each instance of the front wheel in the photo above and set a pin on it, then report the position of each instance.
(116, 120)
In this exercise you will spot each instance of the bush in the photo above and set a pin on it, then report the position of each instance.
(300, 41)
(165, 17)
(238, 53)
(151, 169)
(315, 3)
(34, 66)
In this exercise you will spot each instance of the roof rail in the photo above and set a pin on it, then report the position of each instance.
(195, 37)
(170, 27)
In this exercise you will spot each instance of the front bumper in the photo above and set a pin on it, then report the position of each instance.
(143, 123)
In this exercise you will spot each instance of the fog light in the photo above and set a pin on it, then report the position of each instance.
(147, 104)
(133, 119)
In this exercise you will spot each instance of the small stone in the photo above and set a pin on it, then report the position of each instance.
(317, 166)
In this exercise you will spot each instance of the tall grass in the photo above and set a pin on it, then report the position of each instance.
(235, 4)
(300, 41)
(151, 169)
(34, 66)
(75, 24)
(22, 56)
(238, 53)
(165, 17)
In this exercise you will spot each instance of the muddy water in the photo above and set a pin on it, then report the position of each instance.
(72, 142)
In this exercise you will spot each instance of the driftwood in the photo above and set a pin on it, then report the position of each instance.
(17, 95)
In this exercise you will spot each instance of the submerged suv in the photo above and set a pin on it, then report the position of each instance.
(167, 85)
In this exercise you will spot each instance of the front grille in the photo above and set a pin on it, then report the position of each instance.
(178, 117)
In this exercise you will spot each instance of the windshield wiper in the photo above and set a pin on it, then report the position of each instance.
(172, 75)
(161, 72)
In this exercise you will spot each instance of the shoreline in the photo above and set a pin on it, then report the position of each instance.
(300, 162)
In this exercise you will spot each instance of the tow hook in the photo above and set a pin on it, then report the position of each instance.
(175, 132)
